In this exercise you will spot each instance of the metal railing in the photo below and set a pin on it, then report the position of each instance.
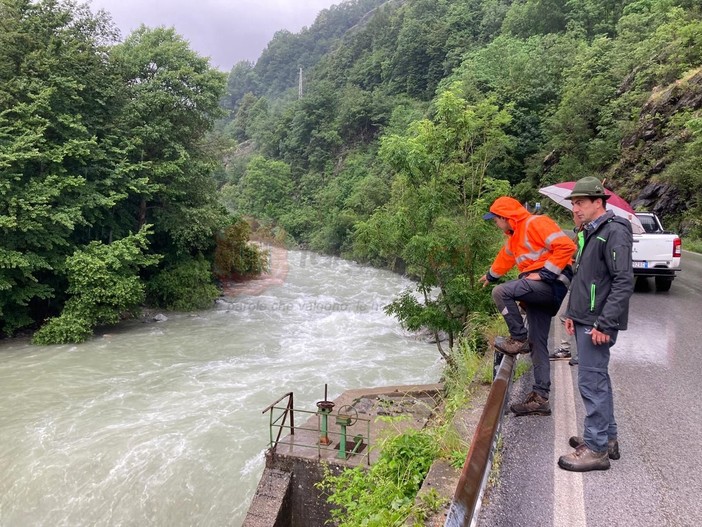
(360, 443)
(272, 422)
(466, 500)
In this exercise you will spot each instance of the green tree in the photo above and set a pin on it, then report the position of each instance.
(248, 110)
(311, 138)
(432, 223)
(185, 285)
(104, 283)
(535, 17)
(173, 100)
(56, 104)
(527, 74)
(596, 17)
(583, 109)
(265, 190)
(242, 79)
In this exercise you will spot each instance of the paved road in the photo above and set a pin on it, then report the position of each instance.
(656, 370)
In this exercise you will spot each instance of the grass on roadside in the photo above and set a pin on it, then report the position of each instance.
(692, 244)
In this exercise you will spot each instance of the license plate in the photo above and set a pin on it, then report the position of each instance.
(640, 264)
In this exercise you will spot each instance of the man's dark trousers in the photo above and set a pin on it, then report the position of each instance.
(539, 303)
(595, 388)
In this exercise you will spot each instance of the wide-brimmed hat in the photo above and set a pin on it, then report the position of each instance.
(588, 187)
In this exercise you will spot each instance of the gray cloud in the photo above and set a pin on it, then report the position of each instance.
(227, 31)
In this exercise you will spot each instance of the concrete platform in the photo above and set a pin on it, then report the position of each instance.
(375, 412)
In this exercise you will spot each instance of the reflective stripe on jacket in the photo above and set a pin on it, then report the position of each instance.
(536, 242)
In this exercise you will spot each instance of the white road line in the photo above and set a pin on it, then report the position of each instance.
(569, 502)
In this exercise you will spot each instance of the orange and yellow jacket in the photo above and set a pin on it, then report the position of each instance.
(536, 242)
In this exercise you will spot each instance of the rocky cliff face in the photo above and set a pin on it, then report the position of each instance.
(650, 148)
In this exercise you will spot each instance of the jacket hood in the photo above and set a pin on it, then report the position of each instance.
(611, 216)
(509, 208)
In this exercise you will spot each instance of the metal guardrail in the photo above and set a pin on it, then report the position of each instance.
(469, 491)
(361, 442)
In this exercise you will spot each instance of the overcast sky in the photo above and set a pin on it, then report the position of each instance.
(227, 31)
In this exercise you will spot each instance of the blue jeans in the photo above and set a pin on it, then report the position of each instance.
(538, 300)
(595, 389)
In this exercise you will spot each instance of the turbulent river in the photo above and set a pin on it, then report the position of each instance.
(160, 423)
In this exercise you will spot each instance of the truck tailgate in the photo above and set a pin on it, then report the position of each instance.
(652, 250)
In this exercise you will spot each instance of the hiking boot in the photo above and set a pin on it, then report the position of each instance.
(582, 459)
(534, 404)
(510, 346)
(560, 353)
(573, 362)
(612, 446)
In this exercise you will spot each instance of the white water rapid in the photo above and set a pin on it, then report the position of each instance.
(160, 424)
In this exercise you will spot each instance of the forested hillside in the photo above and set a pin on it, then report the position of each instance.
(603, 87)
(106, 192)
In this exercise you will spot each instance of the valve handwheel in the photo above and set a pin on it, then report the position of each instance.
(350, 412)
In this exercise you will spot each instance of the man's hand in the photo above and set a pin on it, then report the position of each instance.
(533, 276)
(599, 338)
(569, 326)
(484, 280)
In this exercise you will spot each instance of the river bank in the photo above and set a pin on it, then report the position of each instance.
(278, 267)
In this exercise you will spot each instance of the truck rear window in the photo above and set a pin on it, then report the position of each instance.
(649, 224)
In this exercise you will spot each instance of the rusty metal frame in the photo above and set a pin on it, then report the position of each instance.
(271, 422)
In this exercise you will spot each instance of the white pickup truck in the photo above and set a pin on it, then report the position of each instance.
(656, 252)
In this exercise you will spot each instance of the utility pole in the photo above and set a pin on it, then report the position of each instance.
(299, 85)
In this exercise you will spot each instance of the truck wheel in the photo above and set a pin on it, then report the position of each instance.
(663, 284)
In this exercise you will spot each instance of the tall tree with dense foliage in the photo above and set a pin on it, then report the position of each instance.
(98, 140)
(172, 101)
(56, 97)
(432, 222)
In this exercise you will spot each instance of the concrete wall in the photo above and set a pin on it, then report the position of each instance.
(270, 506)
(286, 496)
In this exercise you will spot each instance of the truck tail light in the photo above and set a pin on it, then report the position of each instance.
(677, 248)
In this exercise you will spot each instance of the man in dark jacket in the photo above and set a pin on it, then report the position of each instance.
(597, 310)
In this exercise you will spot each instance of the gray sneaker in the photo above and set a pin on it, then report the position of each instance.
(560, 353)
(612, 446)
(534, 404)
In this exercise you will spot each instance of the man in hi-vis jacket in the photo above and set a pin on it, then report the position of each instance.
(598, 310)
(542, 252)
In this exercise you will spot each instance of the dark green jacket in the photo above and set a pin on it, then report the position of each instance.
(604, 277)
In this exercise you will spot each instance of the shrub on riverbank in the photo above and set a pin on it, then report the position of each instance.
(384, 494)
(186, 286)
(104, 283)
